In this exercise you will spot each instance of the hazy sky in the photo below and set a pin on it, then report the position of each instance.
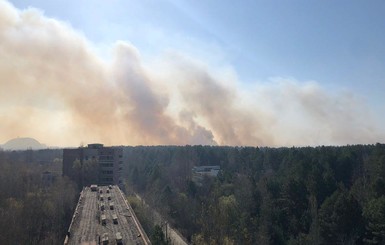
(193, 72)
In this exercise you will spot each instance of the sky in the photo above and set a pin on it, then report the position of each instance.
(259, 73)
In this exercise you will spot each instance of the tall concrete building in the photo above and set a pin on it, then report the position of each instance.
(94, 162)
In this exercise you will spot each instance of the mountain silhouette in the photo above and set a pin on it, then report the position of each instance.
(23, 144)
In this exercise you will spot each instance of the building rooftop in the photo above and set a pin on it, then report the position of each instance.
(104, 222)
(206, 168)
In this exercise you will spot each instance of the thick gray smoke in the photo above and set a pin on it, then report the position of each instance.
(54, 87)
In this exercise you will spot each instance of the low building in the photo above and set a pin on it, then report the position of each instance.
(199, 172)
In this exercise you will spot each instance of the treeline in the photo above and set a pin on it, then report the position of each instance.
(34, 210)
(321, 195)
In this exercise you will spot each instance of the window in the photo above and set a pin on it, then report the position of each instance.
(107, 172)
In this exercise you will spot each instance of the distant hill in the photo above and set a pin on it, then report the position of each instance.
(23, 144)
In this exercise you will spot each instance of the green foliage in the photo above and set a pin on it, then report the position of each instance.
(321, 195)
(374, 213)
(142, 212)
(340, 217)
(157, 236)
(86, 172)
(32, 212)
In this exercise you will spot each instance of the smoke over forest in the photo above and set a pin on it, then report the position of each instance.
(55, 87)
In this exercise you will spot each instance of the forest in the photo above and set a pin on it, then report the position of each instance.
(306, 195)
(298, 195)
(34, 210)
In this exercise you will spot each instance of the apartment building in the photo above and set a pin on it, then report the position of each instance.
(95, 162)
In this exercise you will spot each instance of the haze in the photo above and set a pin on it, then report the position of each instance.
(178, 72)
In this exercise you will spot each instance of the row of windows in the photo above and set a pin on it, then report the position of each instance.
(106, 157)
(107, 172)
(101, 158)
(89, 157)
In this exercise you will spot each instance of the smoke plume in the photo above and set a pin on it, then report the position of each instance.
(55, 88)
